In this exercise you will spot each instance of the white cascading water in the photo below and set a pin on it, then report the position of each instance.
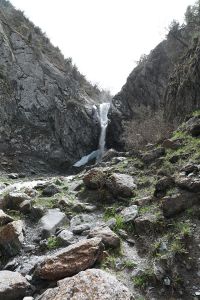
(103, 118)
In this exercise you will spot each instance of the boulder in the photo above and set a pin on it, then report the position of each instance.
(85, 221)
(13, 200)
(129, 213)
(65, 238)
(121, 185)
(146, 223)
(25, 207)
(152, 155)
(94, 179)
(172, 144)
(71, 260)
(163, 185)
(190, 168)
(52, 219)
(192, 126)
(50, 190)
(172, 205)
(90, 284)
(11, 238)
(109, 238)
(13, 286)
(191, 184)
(4, 218)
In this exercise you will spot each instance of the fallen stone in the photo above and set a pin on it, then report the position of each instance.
(11, 238)
(25, 207)
(172, 205)
(190, 168)
(71, 260)
(129, 213)
(13, 200)
(189, 183)
(50, 222)
(91, 284)
(121, 185)
(163, 185)
(172, 144)
(152, 155)
(50, 190)
(94, 179)
(83, 219)
(13, 175)
(146, 223)
(109, 238)
(13, 286)
(4, 218)
(66, 238)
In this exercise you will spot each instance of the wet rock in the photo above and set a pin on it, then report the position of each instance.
(13, 286)
(51, 221)
(121, 185)
(90, 284)
(50, 190)
(4, 218)
(129, 213)
(11, 238)
(13, 200)
(172, 205)
(189, 183)
(94, 179)
(109, 238)
(66, 238)
(71, 260)
(25, 207)
(146, 223)
(163, 185)
(152, 155)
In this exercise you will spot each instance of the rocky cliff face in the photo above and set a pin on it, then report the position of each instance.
(183, 90)
(167, 79)
(45, 103)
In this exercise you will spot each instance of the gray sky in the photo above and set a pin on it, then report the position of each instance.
(104, 37)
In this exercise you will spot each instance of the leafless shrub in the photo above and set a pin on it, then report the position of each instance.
(148, 127)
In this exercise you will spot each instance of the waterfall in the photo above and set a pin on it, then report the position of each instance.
(103, 118)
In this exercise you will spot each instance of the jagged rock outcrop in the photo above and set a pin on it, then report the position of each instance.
(46, 105)
(183, 90)
(145, 87)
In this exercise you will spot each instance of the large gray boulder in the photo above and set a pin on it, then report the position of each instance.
(13, 286)
(50, 222)
(90, 284)
(71, 260)
(121, 185)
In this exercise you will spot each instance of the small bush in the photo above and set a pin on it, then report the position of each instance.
(147, 128)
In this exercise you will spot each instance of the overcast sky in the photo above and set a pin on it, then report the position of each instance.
(104, 37)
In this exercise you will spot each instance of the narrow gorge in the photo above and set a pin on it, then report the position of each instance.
(99, 195)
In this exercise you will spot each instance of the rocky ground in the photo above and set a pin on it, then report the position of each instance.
(127, 228)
